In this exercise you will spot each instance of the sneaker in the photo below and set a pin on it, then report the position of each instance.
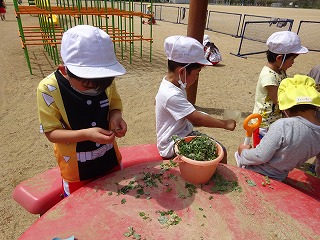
(237, 157)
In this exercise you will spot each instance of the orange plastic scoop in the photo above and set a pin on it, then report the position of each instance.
(251, 127)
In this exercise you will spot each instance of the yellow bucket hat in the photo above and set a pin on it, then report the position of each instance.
(298, 90)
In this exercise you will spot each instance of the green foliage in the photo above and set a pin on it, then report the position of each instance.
(130, 186)
(132, 233)
(221, 184)
(200, 148)
(144, 216)
(169, 165)
(251, 183)
(168, 218)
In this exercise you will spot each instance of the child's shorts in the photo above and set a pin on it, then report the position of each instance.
(3, 10)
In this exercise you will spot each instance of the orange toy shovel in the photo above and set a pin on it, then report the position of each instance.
(251, 127)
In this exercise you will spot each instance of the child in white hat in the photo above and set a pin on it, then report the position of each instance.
(175, 115)
(283, 48)
(80, 109)
(290, 141)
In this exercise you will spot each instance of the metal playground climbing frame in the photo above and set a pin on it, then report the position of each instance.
(116, 17)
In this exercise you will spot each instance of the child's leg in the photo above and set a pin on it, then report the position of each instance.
(70, 187)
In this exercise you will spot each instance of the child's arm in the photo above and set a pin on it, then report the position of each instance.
(273, 93)
(95, 134)
(204, 120)
(266, 149)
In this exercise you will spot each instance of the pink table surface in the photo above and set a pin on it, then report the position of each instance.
(244, 210)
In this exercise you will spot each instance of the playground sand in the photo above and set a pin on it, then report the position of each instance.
(25, 152)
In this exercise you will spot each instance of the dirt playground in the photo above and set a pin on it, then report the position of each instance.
(229, 85)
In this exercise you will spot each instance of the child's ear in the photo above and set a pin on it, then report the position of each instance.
(62, 69)
(181, 70)
(279, 58)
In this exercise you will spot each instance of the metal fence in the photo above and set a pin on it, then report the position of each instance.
(224, 22)
(255, 34)
(253, 30)
(309, 33)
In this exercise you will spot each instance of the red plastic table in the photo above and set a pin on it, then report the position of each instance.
(152, 201)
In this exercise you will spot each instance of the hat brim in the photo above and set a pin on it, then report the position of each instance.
(97, 72)
(301, 50)
(205, 62)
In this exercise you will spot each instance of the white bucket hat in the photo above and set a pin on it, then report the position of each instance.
(184, 49)
(88, 52)
(285, 42)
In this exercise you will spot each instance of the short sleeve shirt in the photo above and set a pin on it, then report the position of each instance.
(263, 104)
(172, 107)
(61, 107)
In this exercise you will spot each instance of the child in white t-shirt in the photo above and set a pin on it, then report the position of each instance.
(175, 115)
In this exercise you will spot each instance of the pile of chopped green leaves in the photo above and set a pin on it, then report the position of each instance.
(221, 184)
(168, 218)
(200, 148)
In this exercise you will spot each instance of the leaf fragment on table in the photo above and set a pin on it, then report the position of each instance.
(168, 218)
(132, 233)
(251, 183)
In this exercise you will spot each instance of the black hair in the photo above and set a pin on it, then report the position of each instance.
(271, 56)
(100, 84)
(302, 108)
(172, 66)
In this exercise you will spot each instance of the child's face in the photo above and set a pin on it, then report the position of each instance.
(193, 76)
(288, 62)
(79, 85)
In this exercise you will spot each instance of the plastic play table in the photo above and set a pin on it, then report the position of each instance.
(152, 201)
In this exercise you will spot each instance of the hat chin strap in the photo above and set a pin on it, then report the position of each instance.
(285, 113)
(283, 59)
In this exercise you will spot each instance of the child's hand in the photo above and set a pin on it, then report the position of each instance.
(121, 129)
(100, 135)
(241, 147)
(117, 124)
(230, 124)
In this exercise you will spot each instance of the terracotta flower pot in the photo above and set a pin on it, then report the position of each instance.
(197, 172)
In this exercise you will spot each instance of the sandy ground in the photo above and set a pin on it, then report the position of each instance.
(25, 152)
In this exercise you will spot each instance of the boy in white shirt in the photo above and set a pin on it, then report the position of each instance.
(175, 115)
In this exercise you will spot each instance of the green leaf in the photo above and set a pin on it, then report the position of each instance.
(251, 183)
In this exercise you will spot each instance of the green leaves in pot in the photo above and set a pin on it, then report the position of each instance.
(200, 148)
